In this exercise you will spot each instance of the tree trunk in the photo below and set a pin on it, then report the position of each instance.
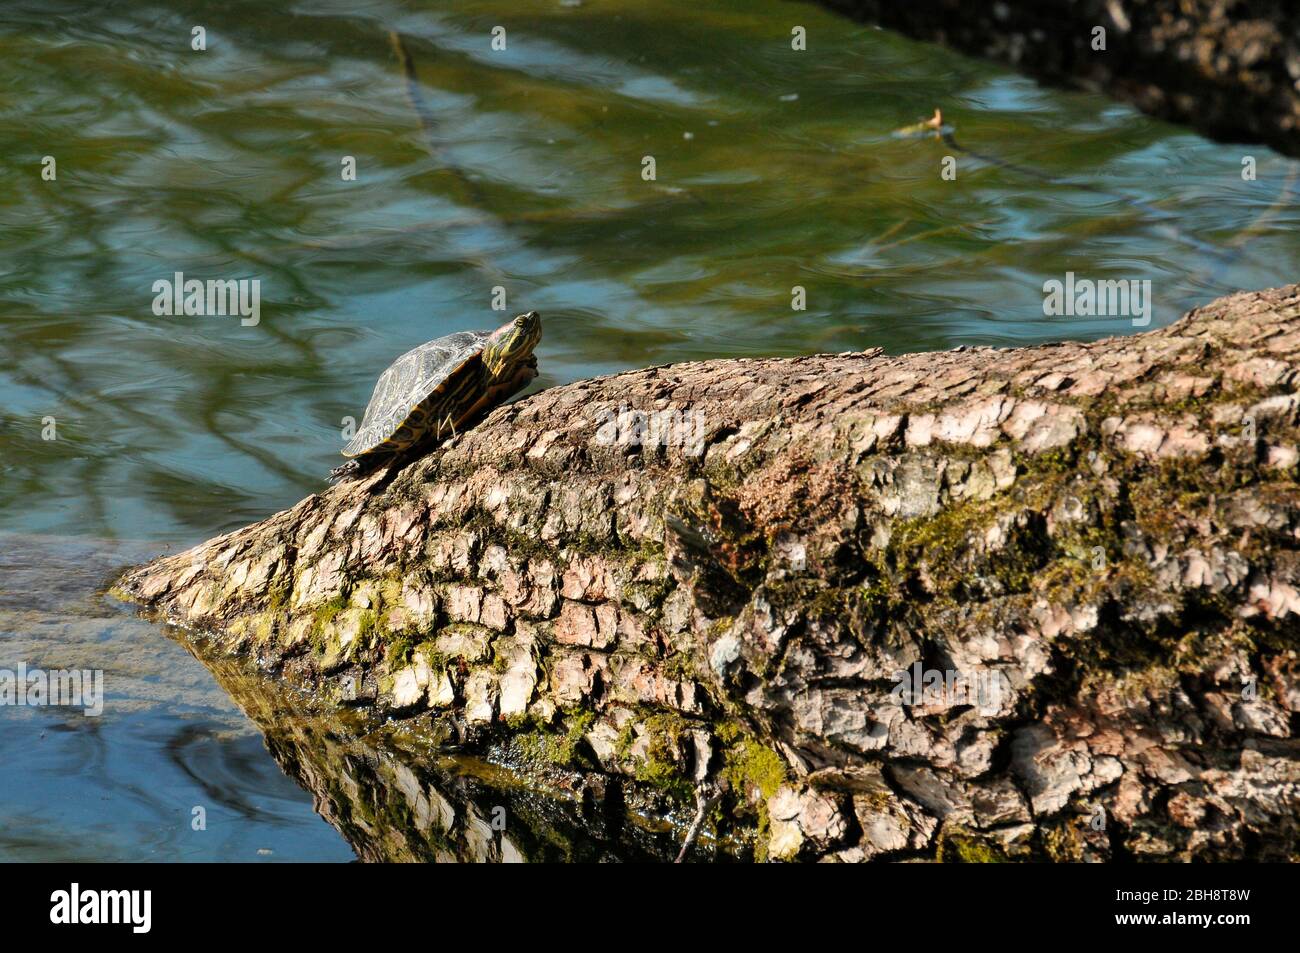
(1028, 603)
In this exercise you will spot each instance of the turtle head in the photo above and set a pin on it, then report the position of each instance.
(511, 344)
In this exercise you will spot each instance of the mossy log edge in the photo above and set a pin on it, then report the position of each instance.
(1106, 533)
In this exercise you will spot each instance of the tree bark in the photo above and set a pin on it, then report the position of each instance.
(1094, 547)
(1229, 70)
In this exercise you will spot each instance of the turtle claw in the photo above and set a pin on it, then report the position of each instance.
(350, 469)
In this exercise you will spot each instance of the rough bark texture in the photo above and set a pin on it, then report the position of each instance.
(1228, 68)
(1104, 537)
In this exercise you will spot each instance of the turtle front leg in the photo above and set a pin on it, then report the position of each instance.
(345, 471)
(361, 466)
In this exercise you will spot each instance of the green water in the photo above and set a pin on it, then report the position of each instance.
(775, 168)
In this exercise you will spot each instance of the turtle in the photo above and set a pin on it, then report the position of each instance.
(432, 390)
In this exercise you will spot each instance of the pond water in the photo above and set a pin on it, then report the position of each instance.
(522, 169)
(171, 769)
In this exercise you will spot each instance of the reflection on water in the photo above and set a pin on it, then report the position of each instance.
(774, 169)
(396, 805)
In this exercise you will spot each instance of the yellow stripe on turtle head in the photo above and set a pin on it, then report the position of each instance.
(511, 344)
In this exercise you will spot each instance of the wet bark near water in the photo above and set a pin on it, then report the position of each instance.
(1095, 547)
(395, 802)
(1229, 70)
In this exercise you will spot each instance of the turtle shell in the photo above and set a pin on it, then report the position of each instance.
(419, 390)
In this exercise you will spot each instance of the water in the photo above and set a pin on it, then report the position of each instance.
(171, 770)
(774, 169)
